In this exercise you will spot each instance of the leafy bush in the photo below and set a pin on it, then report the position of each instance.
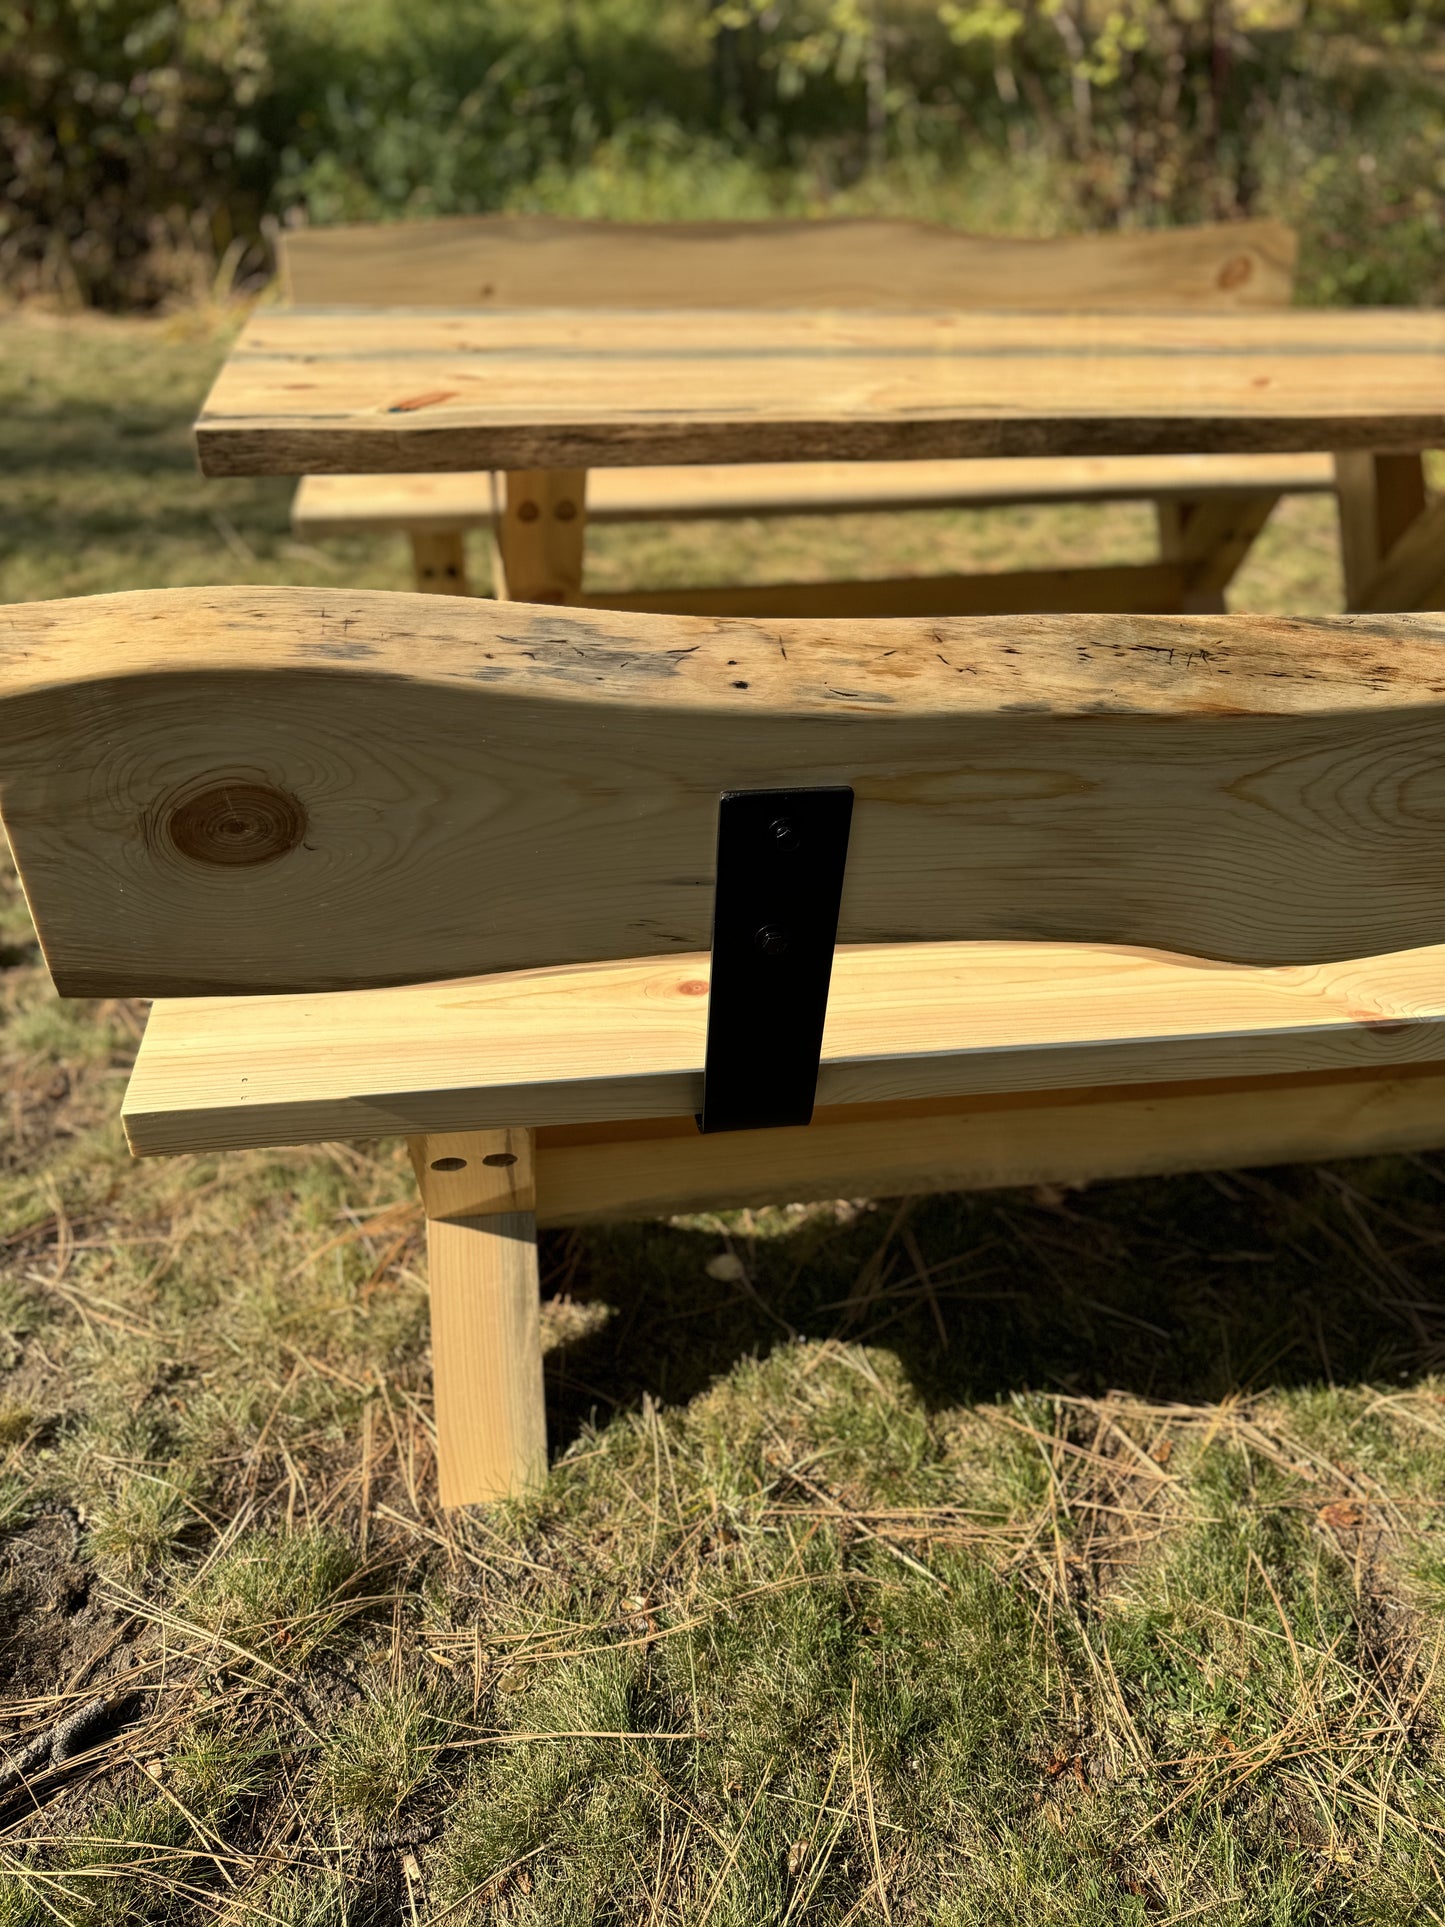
(125, 142)
(144, 141)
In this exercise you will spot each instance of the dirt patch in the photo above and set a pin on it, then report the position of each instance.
(53, 1621)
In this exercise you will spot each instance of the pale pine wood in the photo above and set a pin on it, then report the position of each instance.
(1412, 576)
(221, 791)
(479, 261)
(1210, 537)
(487, 1356)
(1380, 497)
(1145, 588)
(399, 390)
(439, 561)
(625, 1041)
(1064, 1137)
(540, 535)
(468, 1174)
(327, 505)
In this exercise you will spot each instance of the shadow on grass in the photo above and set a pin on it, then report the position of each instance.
(1188, 1289)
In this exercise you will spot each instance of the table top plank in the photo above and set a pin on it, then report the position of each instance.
(312, 391)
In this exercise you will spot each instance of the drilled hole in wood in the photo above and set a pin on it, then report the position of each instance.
(449, 1164)
(500, 1159)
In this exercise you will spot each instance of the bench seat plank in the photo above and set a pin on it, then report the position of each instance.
(626, 1040)
(343, 504)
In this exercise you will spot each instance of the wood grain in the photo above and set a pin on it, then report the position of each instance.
(486, 1357)
(626, 1041)
(327, 505)
(541, 261)
(306, 391)
(1067, 1137)
(229, 790)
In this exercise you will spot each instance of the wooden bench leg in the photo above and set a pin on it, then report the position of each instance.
(479, 1194)
(1211, 536)
(1380, 497)
(540, 533)
(439, 561)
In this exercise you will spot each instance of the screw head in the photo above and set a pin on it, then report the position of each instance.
(528, 512)
(783, 834)
(772, 940)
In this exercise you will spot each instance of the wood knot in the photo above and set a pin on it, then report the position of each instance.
(237, 824)
(1236, 271)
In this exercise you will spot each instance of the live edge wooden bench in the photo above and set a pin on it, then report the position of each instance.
(538, 888)
(1210, 507)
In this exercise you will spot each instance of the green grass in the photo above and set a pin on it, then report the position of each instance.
(1095, 1576)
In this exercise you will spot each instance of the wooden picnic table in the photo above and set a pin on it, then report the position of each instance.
(547, 394)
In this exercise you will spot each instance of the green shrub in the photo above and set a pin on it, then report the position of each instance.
(143, 144)
(126, 150)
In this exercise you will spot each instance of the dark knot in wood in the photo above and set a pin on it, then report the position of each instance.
(237, 823)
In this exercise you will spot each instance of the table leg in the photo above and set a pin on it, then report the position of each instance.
(1211, 536)
(439, 561)
(1382, 500)
(540, 531)
(479, 1194)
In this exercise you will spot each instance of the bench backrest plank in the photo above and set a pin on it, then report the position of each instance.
(254, 789)
(507, 261)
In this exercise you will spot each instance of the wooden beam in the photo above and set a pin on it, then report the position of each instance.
(987, 1143)
(626, 1041)
(327, 505)
(1209, 538)
(224, 791)
(439, 561)
(1380, 497)
(540, 535)
(502, 261)
(1412, 576)
(486, 1323)
(1146, 588)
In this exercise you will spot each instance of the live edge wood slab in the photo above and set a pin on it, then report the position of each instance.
(241, 790)
(346, 391)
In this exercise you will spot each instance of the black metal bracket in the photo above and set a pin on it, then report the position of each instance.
(780, 861)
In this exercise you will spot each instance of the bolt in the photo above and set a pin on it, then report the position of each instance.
(772, 940)
(783, 833)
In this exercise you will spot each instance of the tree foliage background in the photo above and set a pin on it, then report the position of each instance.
(146, 144)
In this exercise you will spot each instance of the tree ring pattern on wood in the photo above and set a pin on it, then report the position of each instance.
(237, 823)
